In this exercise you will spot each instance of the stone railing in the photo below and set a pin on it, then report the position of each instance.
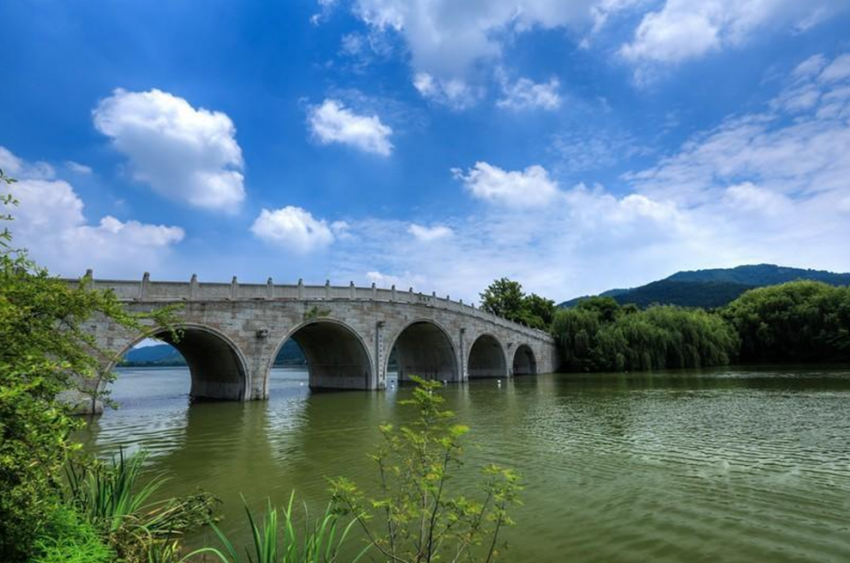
(169, 291)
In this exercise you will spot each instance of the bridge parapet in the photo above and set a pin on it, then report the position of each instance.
(233, 333)
(147, 290)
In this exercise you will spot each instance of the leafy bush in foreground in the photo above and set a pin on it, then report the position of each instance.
(45, 351)
(69, 539)
(414, 518)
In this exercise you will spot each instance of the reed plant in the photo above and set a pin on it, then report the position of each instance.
(277, 538)
(113, 497)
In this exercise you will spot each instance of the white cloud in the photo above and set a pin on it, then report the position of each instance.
(295, 229)
(531, 187)
(810, 67)
(586, 239)
(183, 153)
(761, 187)
(402, 282)
(15, 167)
(429, 234)
(49, 222)
(682, 29)
(453, 92)
(78, 168)
(449, 41)
(525, 94)
(751, 198)
(332, 122)
(804, 157)
(839, 69)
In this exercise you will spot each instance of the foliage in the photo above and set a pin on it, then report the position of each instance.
(279, 543)
(414, 518)
(69, 539)
(538, 312)
(600, 335)
(46, 351)
(315, 312)
(107, 493)
(798, 322)
(110, 495)
(505, 298)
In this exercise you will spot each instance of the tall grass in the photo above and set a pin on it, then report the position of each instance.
(277, 540)
(69, 539)
(107, 494)
(114, 498)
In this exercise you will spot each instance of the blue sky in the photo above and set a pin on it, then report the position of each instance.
(572, 145)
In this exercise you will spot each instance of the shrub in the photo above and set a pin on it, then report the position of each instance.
(414, 517)
(69, 539)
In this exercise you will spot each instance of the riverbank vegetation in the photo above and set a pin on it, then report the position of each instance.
(802, 321)
(46, 352)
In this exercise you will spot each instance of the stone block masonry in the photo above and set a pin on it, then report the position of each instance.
(233, 333)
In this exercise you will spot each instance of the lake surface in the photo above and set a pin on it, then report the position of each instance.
(733, 465)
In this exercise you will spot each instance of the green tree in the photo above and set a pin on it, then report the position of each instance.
(538, 312)
(607, 307)
(599, 335)
(802, 321)
(414, 518)
(504, 298)
(45, 351)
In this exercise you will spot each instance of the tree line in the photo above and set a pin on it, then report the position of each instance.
(801, 321)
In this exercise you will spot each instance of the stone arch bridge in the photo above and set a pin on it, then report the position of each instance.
(233, 333)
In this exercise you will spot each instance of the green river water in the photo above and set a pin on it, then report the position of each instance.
(731, 465)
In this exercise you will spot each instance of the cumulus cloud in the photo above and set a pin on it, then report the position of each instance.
(448, 41)
(751, 198)
(17, 168)
(453, 92)
(183, 153)
(295, 229)
(49, 222)
(531, 187)
(331, 122)
(525, 94)
(586, 236)
(771, 186)
(682, 29)
(429, 234)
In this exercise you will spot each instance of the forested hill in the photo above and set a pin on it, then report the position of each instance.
(715, 287)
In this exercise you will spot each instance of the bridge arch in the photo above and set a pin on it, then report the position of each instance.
(337, 357)
(487, 357)
(525, 363)
(216, 364)
(424, 348)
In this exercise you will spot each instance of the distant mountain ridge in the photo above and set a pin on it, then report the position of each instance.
(714, 287)
(164, 355)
